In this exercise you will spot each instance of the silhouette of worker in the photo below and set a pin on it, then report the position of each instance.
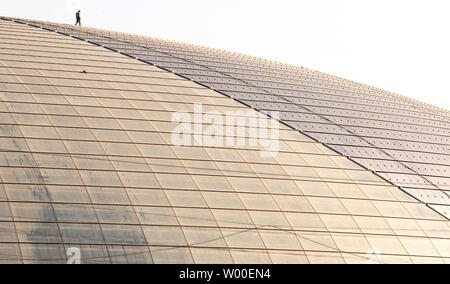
(78, 16)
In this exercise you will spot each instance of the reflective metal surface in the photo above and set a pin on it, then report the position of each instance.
(86, 159)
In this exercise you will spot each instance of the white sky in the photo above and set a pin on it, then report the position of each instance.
(398, 45)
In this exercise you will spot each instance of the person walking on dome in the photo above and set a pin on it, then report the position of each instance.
(78, 16)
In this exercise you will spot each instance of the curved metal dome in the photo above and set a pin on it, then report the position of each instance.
(87, 158)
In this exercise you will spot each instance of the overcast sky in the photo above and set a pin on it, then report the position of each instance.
(398, 45)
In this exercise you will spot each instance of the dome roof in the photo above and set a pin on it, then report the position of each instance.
(89, 157)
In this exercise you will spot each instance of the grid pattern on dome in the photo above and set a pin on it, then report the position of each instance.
(404, 141)
(86, 161)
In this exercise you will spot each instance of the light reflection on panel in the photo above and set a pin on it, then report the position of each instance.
(86, 162)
